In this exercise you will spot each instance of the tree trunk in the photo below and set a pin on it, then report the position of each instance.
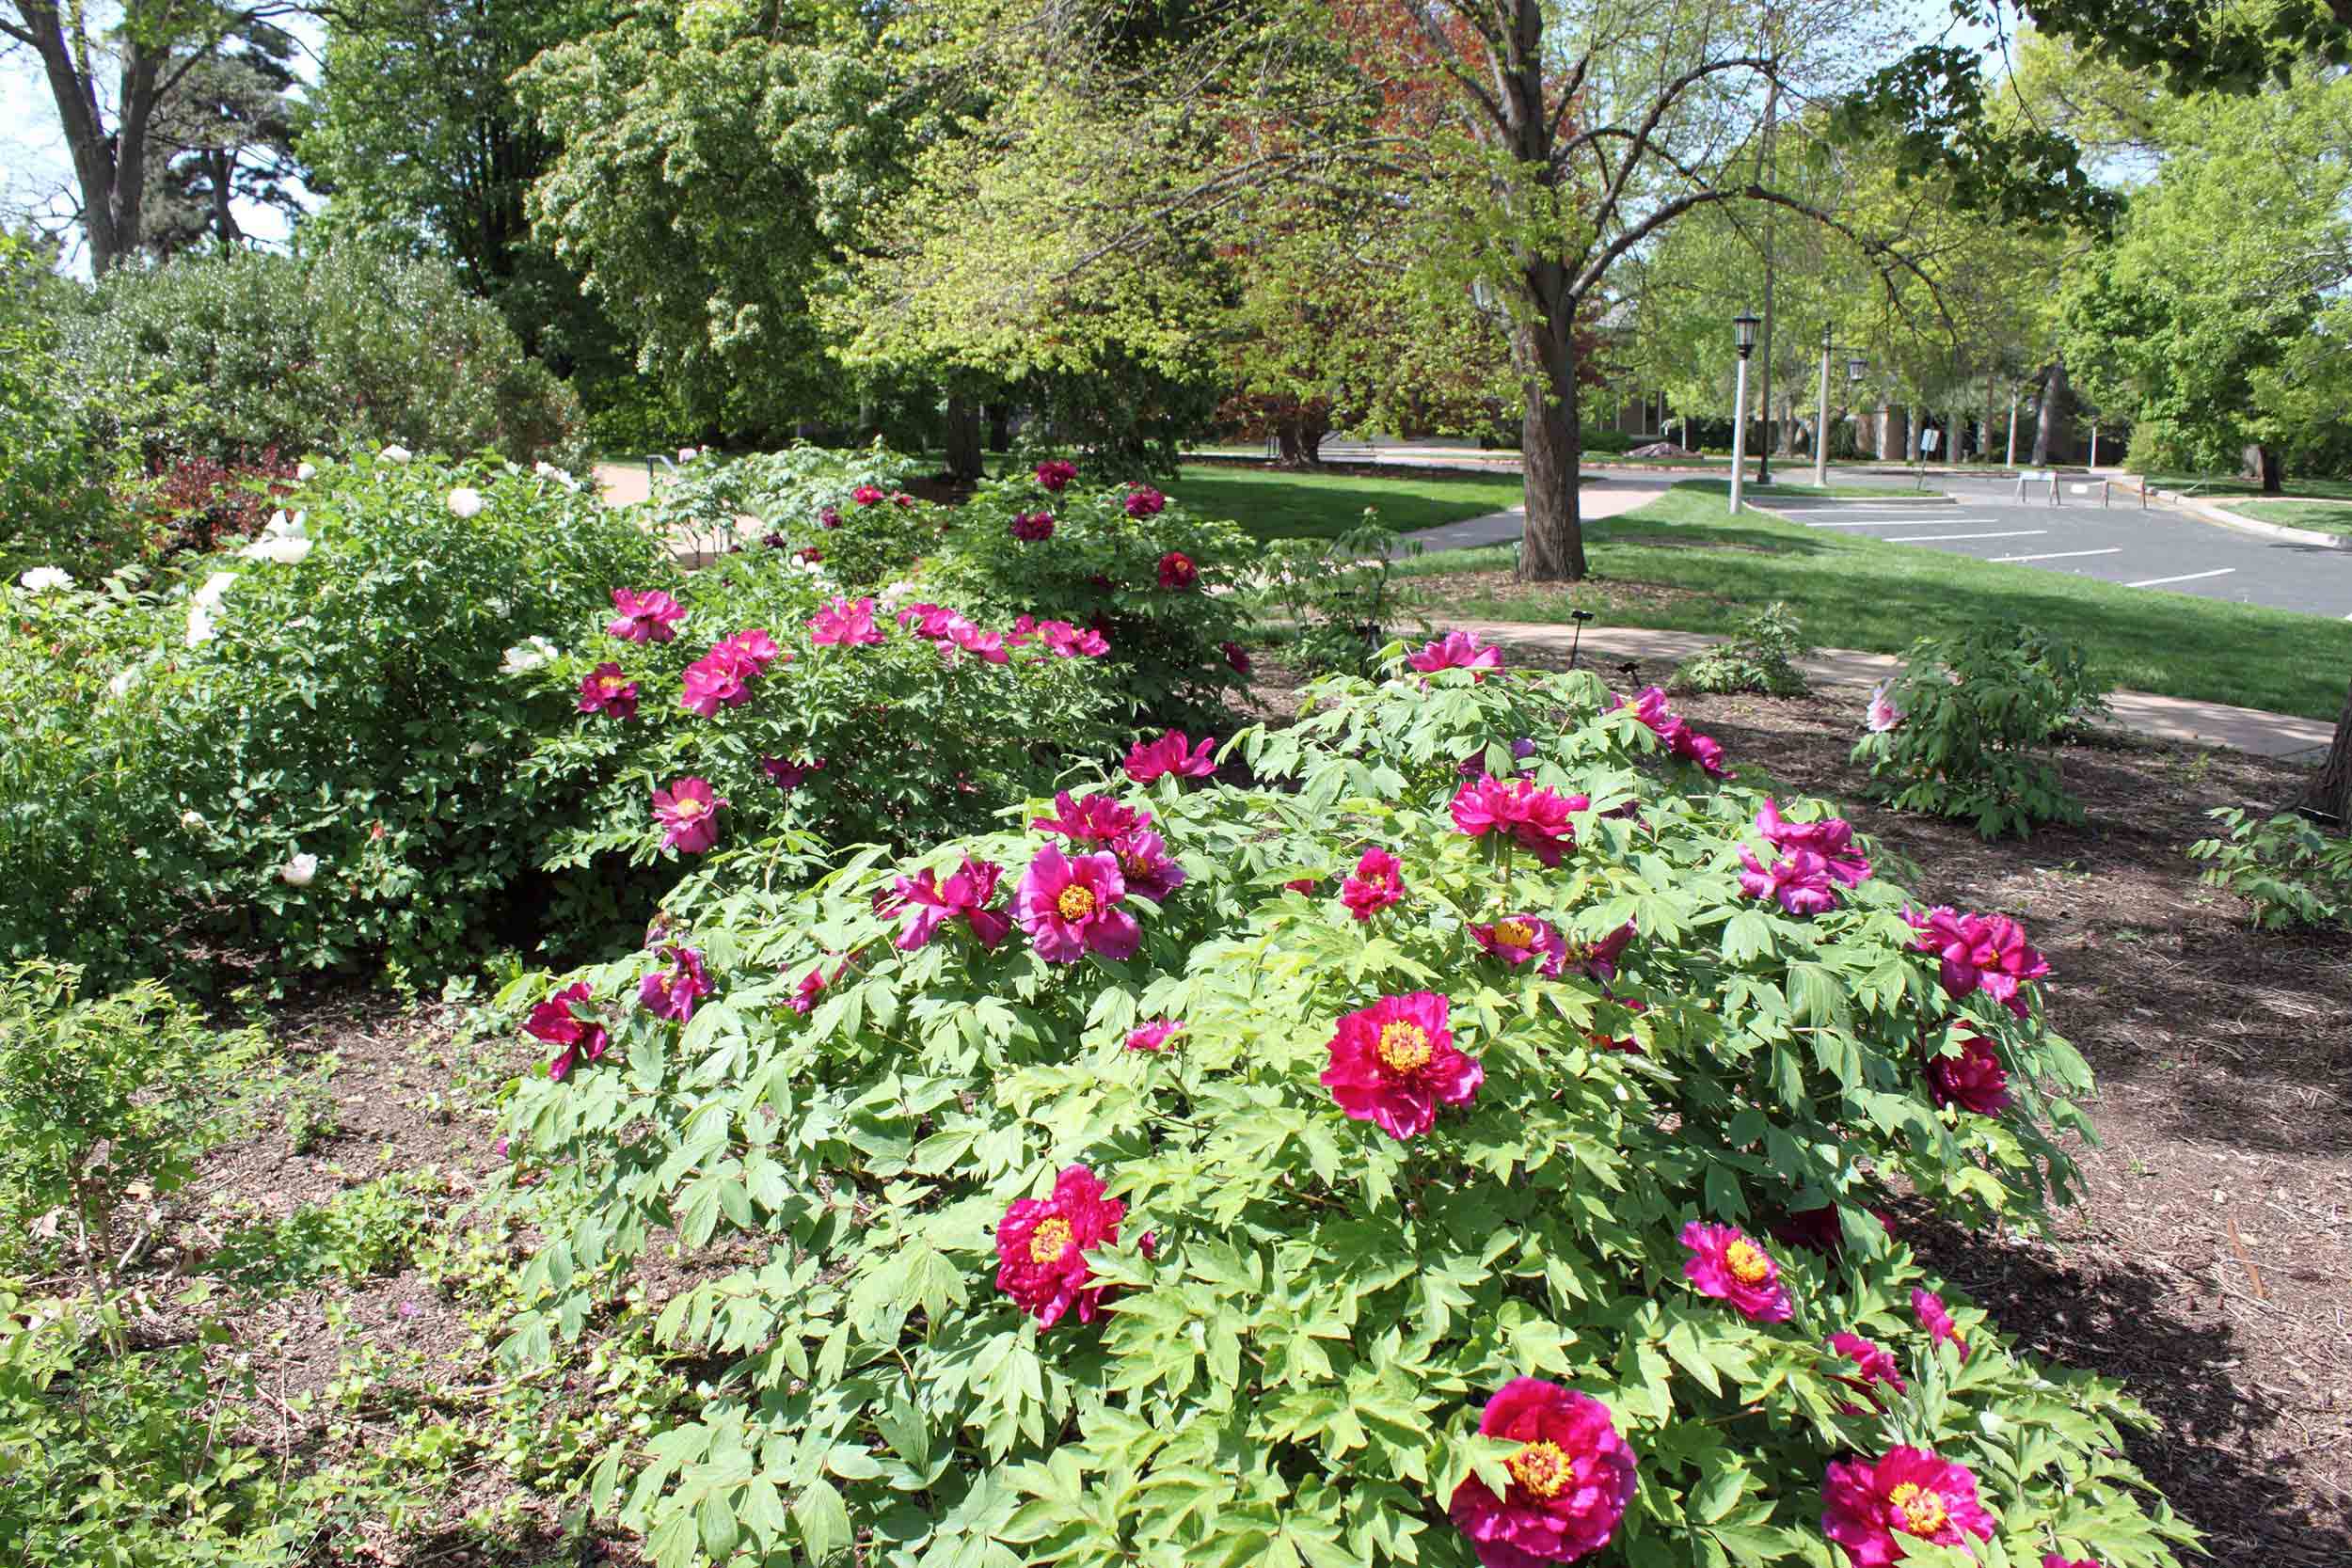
(2049, 423)
(2330, 794)
(1551, 445)
(964, 436)
(1299, 438)
(2260, 464)
(999, 426)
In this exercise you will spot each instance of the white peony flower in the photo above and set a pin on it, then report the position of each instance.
(476, 748)
(548, 471)
(397, 454)
(466, 501)
(199, 626)
(526, 657)
(193, 819)
(121, 686)
(284, 549)
(688, 454)
(298, 871)
(283, 527)
(215, 588)
(47, 579)
(306, 470)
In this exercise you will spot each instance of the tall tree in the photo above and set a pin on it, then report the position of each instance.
(224, 137)
(110, 81)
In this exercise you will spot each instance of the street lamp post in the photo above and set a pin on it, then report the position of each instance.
(1743, 338)
(1856, 368)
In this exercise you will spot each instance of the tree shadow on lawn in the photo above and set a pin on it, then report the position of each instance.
(2225, 1455)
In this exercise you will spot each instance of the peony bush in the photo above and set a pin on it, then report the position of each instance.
(1445, 1149)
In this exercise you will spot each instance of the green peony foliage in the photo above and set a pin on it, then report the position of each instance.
(1283, 1355)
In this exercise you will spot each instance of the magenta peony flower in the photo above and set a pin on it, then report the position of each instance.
(789, 776)
(1177, 572)
(1520, 938)
(1727, 1265)
(1680, 740)
(1598, 960)
(1937, 1319)
(1235, 659)
(1832, 839)
(923, 904)
(714, 681)
(1173, 753)
(1304, 885)
(1393, 1064)
(1069, 906)
(606, 690)
(1570, 1479)
(1534, 818)
(842, 623)
(673, 992)
(1033, 527)
(1869, 1508)
(805, 994)
(1144, 862)
(901, 499)
(752, 650)
(1881, 714)
(1144, 502)
(867, 495)
(830, 516)
(1067, 642)
(1373, 887)
(552, 1021)
(1800, 882)
(1042, 1245)
(1155, 1034)
(2054, 1559)
(1457, 650)
(1054, 472)
(689, 812)
(1980, 952)
(1974, 1079)
(967, 637)
(1821, 1229)
(648, 617)
(1873, 1363)
(1091, 818)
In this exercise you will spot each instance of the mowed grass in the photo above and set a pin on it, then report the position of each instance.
(2292, 485)
(1273, 504)
(2321, 516)
(1680, 564)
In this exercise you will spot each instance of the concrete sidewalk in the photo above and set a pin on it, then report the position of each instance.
(2268, 735)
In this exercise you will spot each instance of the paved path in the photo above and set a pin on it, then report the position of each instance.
(1602, 497)
(2269, 734)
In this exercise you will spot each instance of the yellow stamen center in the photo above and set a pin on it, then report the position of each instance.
(610, 683)
(1540, 1467)
(1404, 1046)
(1514, 933)
(1075, 903)
(1049, 1241)
(1747, 1265)
(1921, 1508)
(686, 806)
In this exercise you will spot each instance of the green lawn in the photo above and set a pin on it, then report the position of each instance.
(2231, 484)
(1274, 504)
(1753, 491)
(1680, 564)
(2323, 516)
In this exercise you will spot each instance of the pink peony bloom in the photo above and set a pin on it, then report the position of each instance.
(1598, 960)
(689, 812)
(789, 776)
(1144, 502)
(647, 617)
(1727, 1265)
(844, 625)
(1869, 1509)
(1069, 906)
(901, 499)
(1821, 1229)
(552, 1021)
(805, 994)
(967, 638)
(606, 690)
(1937, 1319)
(830, 516)
(753, 650)
(1830, 839)
(1304, 885)
(1974, 1079)
(1144, 861)
(1067, 642)
(1533, 818)
(923, 904)
(1091, 818)
(1521, 938)
(714, 681)
(1873, 1363)
(1235, 659)
(1980, 952)
(1033, 527)
(1800, 882)
(1393, 1064)
(2054, 1559)
(1054, 472)
(1649, 705)
(1570, 1479)
(1373, 887)
(866, 494)
(1177, 572)
(1457, 650)
(1173, 753)
(673, 992)
(1042, 1245)
(1882, 715)
(1155, 1034)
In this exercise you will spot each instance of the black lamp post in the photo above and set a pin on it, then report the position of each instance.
(1743, 338)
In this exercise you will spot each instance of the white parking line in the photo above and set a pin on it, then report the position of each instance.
(1915, 506)
(2060, 555)
(1904, 522)
(1938, 538)
(2185, 576)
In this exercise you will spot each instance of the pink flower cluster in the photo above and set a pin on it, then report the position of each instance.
(1980, 952)
(554, 1022)
(1042, 1245)
(841, 623)
(1456, 650)
(1392, 1064)
(950, 632)
(1532, 818)
(923, 904)
(1571, 1478)
(647, 617)
(723, 677)
(1674, 732)
(1056, 472)
(1172, 752)
(1522, 938)
(688, 812)
(673, 991)
(1812, 856)
(1974, 1079)
(1144, 502)
(1061, 638)
(1375, 884)
(1033, 527)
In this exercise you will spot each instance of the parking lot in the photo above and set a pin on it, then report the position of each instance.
(2158, 549)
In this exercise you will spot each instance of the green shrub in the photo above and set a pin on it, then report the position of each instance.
(2289, 873)
(57, 475)
(806, 498)
(1334, 595)
(1974, 716)
(1611, 442)
(1760, 658)
(1301, 1315)
(226, 356)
